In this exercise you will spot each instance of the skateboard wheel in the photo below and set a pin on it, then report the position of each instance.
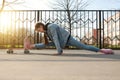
(10, 51)
(26, 51)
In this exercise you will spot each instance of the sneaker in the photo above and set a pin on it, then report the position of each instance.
(107, 51)
(27, 43)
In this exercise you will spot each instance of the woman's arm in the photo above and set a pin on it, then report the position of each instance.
(53, 31)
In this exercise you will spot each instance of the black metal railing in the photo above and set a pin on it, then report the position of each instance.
(100, 28)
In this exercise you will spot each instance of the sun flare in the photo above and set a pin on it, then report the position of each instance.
(5, 20)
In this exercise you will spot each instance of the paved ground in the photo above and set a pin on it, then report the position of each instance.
(72, 65)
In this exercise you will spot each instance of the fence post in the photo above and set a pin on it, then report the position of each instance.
(100, 40)
(37, 32)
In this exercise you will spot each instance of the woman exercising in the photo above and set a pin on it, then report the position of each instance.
(60, 38)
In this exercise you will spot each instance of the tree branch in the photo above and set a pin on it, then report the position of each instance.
(2, 7)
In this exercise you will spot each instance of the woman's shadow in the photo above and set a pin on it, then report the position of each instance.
(110, 56)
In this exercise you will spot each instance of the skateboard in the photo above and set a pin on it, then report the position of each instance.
(10, 51)
(26, 47)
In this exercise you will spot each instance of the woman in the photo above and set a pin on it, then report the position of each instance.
(60, 38)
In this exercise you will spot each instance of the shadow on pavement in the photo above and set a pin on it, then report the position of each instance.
(63, 58)
(114, 56)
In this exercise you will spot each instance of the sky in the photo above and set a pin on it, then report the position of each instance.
(45, 5)
(104, 4)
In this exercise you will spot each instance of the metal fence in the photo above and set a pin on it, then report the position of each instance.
(100, 28)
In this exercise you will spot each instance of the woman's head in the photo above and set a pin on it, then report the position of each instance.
(39, 27)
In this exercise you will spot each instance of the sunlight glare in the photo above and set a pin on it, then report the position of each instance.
(5, 22)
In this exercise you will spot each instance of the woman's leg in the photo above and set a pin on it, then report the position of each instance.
(78, 44)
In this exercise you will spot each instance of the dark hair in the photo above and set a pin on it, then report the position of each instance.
(37, 25)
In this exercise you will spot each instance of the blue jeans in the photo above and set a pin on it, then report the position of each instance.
(78, 44)
(71, 42)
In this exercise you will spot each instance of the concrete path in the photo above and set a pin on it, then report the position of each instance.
(72, 65)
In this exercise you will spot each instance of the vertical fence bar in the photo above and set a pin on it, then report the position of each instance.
(97, 29)
(119, 29)
(103, 28)
(23, 35)
(115, 31)
(18, 26)
(30, 25)
(88, 28)
(80, 25)
(111, 31)
(100, 42)
(34, 30)
(37, 21)
(15, 41)
(84, 24)
(107, 29)
(7, 26)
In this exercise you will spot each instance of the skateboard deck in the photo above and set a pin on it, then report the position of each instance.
(26, 47)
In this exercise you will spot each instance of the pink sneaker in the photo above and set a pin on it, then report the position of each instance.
(27, 43)
(107, 51)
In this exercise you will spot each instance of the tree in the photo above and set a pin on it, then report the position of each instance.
(9, 3)
(2, 5)
(68, 6)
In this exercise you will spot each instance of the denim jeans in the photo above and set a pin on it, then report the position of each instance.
(71, 42)
(78, 44)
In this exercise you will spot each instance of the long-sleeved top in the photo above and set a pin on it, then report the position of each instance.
(58, 35)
